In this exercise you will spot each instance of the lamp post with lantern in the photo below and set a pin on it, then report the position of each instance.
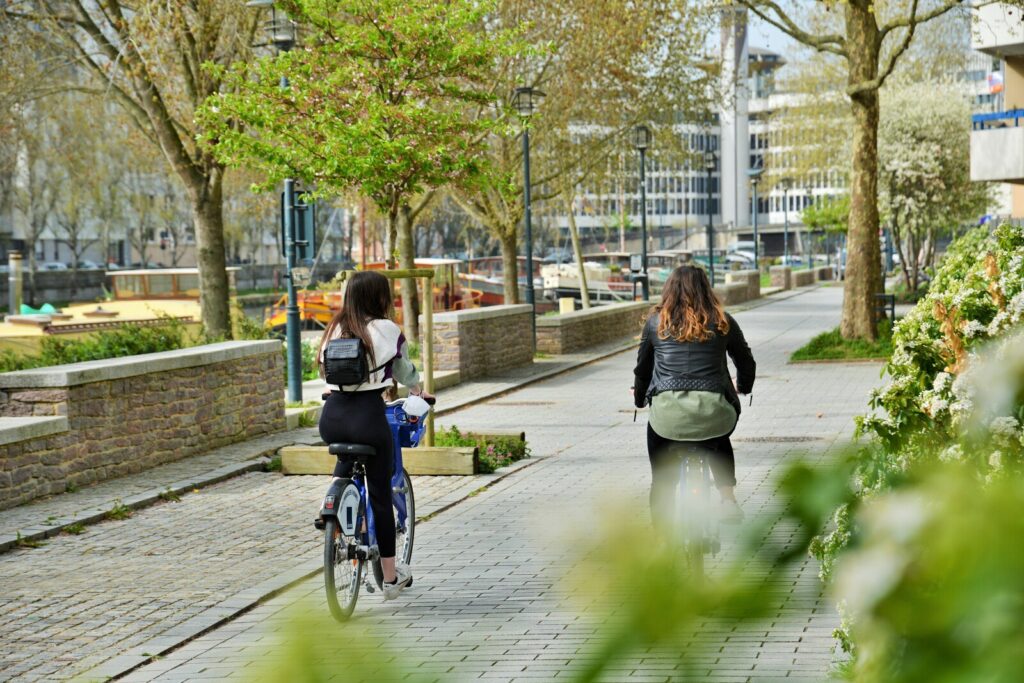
(524, 102)
(642, 140)
(710, 164)
(785, 183)
(283, 35)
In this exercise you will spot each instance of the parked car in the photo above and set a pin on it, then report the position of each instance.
(89, 265)
(741, 246)
(791, 260)
(53, 265)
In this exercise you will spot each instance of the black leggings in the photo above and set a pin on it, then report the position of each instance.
(666, 463)
(358, 417)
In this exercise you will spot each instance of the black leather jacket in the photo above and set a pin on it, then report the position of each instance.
(669, 365)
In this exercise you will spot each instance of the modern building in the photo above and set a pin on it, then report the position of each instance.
(742, 135)
(997, 136)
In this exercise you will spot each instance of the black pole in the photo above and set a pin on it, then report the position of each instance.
(292, 337)
(756, 266)
(643, 226)
(529, 237)
(785, 221)
(711, 235)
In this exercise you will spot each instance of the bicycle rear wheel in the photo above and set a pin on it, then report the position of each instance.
(342, 575)
(405, 532)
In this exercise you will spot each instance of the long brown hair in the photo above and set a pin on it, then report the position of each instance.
(367, 297)
(690, 311)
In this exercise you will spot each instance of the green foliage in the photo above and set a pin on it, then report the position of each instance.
(831, 214)
(933, 591)
(943, 404)
(495, 451)
(76, 529)
(382, 99)
(126, 340)
(22, 542)
(275, 463)
(832, 346)
(170, 496)
(119, 511)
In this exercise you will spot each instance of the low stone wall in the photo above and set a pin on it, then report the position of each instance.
(578, 330)
(803, 278)
(483, 341)
(782, 276)
(732, 293)
(750, 278)
(823, 273)
(72, 425)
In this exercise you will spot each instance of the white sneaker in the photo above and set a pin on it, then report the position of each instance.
(404, 578)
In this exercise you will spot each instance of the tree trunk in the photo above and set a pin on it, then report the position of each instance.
(863, 269)
(510, 264)
(208, 217)
(407, 259)
(577, 250)
(391, 240)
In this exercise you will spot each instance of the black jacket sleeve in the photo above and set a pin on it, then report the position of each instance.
(742, 358)
(644, 367)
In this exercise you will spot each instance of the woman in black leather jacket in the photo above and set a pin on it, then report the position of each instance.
(682, 373)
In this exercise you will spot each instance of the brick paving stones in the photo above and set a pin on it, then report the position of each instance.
(494, 597)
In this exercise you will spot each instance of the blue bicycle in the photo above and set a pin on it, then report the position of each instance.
(350, 539)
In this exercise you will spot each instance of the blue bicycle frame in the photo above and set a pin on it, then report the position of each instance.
(406, 431)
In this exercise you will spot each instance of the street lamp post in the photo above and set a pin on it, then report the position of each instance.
(283, 35)
(710, 164)
(786, 183)
(755, 178)
(525, 101)
(642, 140)
(808, 232)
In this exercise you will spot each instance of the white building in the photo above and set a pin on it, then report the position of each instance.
(680, 195)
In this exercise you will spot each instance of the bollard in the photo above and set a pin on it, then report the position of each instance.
(566, 304)
(15, 282)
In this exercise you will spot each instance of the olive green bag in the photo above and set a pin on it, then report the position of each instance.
(692, 415)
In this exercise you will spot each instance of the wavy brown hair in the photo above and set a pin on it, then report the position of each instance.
(367, 297)
(690, 311)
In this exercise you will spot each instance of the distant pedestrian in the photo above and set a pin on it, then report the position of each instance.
(682, 373)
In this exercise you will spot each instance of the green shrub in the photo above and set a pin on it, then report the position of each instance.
(931, 412)
(126, 340)
(495, 451)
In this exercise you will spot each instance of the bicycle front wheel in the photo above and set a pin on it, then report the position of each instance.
(342, 576)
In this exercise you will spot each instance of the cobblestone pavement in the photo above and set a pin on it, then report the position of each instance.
(149, 581)
(48, 512)
(494, 596)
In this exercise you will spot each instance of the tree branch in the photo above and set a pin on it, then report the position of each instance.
(831, 42)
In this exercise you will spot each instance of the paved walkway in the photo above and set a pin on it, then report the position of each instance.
(492, 598)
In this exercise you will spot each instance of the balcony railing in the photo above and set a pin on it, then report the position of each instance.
(999, 119)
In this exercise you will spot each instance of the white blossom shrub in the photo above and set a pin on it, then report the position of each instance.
(942, 405)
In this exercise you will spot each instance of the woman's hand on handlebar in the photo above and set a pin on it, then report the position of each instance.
(429, 398)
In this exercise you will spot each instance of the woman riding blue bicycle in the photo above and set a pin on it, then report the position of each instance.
(356, 413)
(681, 372)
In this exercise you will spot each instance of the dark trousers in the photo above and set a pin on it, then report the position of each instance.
(666, 461)
(358, 417)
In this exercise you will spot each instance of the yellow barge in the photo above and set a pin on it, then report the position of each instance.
(140, 297)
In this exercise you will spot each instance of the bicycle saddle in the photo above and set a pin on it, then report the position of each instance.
(351, 449)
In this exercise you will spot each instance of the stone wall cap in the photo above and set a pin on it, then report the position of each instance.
(130, 366)
(14, 429)
(595, 312)
(481, 313)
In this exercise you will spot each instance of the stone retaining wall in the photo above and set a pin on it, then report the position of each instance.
(823, 273)
(483, 341)
(578, 330)
(751, 278)
(73, 425)
(782, 276)
(803, 278)
(732, 293)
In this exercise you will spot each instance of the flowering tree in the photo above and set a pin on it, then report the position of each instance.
(924, 169)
